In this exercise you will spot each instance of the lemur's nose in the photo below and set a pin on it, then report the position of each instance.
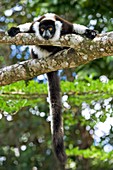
(46, 35)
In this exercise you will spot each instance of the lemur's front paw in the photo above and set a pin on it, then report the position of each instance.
(13, 31)
(90, 33)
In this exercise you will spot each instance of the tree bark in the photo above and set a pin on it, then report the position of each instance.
(81, 51)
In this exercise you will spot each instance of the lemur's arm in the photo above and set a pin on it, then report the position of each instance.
(27, 28)
(83, 30)
(24, 28)
(69, 28)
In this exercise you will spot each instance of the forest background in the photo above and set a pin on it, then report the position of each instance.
(87, 96)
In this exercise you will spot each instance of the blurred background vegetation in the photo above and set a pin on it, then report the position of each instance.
(87, 96)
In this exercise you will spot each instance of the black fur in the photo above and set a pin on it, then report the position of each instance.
(46, 24)
(13, 31)
(56, 109)
(90, 33)
(67, 27)
(33, 55)
(53, 49)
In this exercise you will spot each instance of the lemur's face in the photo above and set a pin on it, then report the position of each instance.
(47, 29)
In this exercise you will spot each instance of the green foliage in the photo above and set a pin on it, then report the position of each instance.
(93, 152)
(28, 110)
(98, 158)
(18, 95)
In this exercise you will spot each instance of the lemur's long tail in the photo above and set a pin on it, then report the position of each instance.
(56, 113)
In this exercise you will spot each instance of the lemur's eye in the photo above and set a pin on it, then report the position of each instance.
(42, 29)
(50, 28)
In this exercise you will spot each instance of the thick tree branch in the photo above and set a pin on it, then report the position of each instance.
(84, 50)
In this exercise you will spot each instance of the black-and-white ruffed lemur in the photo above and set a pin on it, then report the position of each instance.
(51, 26)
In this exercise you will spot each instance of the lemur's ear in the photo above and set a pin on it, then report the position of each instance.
(13, 31)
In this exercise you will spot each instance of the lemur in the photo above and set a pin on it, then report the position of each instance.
(51, 27)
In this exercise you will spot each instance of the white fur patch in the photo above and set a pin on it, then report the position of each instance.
(25, 27)
(57, 34)
(40, 52)
(36, 29)
(80, 29)
(50, 16)
(50, 107)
